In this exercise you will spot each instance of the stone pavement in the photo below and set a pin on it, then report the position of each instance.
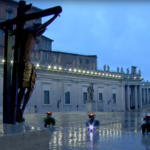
(117, 131)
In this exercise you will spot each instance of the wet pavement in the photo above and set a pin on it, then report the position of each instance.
(117, 131)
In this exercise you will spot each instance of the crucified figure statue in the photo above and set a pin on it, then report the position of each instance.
(27, 72)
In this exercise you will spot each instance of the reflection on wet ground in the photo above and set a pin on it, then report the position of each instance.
(117, 131)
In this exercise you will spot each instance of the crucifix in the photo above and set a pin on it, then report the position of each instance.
(23, 71)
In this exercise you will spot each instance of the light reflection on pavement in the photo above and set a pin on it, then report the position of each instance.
(117, 131)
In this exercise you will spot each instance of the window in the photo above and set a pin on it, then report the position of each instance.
(45, 57)
(67, 98)
(100, 96)
(114, 98)
(84, 97)
(46, 97)
(80, 60)
(87, 61)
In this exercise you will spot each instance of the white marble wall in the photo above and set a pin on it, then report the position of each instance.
(58, 84)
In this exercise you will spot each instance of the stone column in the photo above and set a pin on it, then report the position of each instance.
(135, 96)
(143, 94)
(140, 96)
(123, 97)
(128, 97)
(147, 95)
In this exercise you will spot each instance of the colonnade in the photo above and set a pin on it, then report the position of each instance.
(145, 94)
(133, 97)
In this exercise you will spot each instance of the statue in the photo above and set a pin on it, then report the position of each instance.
(27, 72)
(90, 91)
(121, 69)
(139, 72)
(108, 68)
(104, 67)
(117, 69)
(127, 70)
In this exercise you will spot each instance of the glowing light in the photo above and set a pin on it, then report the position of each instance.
(60, 68)
(75, 70)
(55, 67)
(3, 60)
(96, 73)
(49, 67)
(37, 65)
(103, 74)
(91, 127)
(11, 61)
(110, 75)
(70, 69)
(79, 70)
(49, 113)
(106, 74)
(116, 76)
(99, 73)
(87, 72)
(134, 77)
(113, 75)
(91, 72)
(83, 71)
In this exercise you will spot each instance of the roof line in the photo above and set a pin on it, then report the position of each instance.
(69, 53)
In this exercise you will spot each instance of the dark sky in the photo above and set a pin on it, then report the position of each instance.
(118, 32)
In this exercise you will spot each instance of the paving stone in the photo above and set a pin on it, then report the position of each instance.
(117, 131)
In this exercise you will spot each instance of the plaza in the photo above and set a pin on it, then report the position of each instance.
(117, 131)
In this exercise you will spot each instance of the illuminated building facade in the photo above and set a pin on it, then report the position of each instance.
(63, 78)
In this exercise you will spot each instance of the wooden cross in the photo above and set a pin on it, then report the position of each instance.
(10, 88)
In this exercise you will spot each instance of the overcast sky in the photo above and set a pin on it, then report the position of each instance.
(117, 32)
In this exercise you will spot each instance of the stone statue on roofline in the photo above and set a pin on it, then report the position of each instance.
(127, 70)
(117, 69)
(108, 68)
(139, 72)
(104, 67)
(121, 69)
